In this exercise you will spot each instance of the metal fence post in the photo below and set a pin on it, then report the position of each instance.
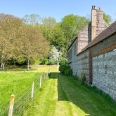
(10, 113)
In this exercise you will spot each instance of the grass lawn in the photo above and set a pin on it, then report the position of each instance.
(15, 80)
(65, 96)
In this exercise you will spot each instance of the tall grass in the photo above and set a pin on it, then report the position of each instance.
(14, 83)
(17, 81)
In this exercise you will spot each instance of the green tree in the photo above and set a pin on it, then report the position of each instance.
(47, 27)
(70, 25)
(107, 18)
(57, 38)
(32, 19)
(31, 44)
(8, 28)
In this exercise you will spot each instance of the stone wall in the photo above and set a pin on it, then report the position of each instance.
(104, 65)
(79, 63)
(104, 72)
(82, 64)
(72, 56)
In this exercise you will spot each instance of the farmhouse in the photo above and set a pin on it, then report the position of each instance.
(93, 52)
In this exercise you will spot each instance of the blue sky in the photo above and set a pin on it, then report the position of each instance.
(56, 8)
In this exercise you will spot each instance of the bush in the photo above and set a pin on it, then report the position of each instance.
(44, 61)
(63, 61)
(65, 69)
(52, 62)
(82, 78)
(68, 72)
(37, 61)
(62, 68)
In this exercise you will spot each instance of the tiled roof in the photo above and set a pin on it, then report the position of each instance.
(103, 35)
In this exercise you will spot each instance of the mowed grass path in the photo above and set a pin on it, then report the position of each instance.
(65, 96)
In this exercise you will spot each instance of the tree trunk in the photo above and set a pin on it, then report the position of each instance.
(2, 62)
(3, 66)
(28, 64)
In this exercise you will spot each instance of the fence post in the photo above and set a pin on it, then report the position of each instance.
(10, 113)
(32, 91)
(40, 81)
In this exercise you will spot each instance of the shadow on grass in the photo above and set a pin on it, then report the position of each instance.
(90, 102)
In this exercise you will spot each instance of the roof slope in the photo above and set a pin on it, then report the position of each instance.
(103, 35)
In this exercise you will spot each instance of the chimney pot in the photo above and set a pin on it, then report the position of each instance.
(93, 7)
(100, 9)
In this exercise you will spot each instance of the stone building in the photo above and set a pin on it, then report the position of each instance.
(93, 53)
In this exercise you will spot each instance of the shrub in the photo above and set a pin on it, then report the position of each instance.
(82, 78)
(37, 61)
(52, 62)
(68, 72)
(65, 69)
(63, 61)
(62, 68)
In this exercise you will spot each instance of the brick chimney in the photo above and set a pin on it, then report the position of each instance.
(99, 15)
(93, 22)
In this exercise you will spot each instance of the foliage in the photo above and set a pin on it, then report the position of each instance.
(54, 53)
(52, 62)
(59, 34)
(47, 26)
(82, 78)
(70, 25)
(65, 69)
(31, 44)
(63, 61)
(57, 38)
(44, 61)
(37, 61)
(107, 18)
(68, 72)
(62, 68)
(21, 43)
(8, 30)
(32, 19)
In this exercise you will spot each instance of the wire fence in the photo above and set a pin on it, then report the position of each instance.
(20, 102)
